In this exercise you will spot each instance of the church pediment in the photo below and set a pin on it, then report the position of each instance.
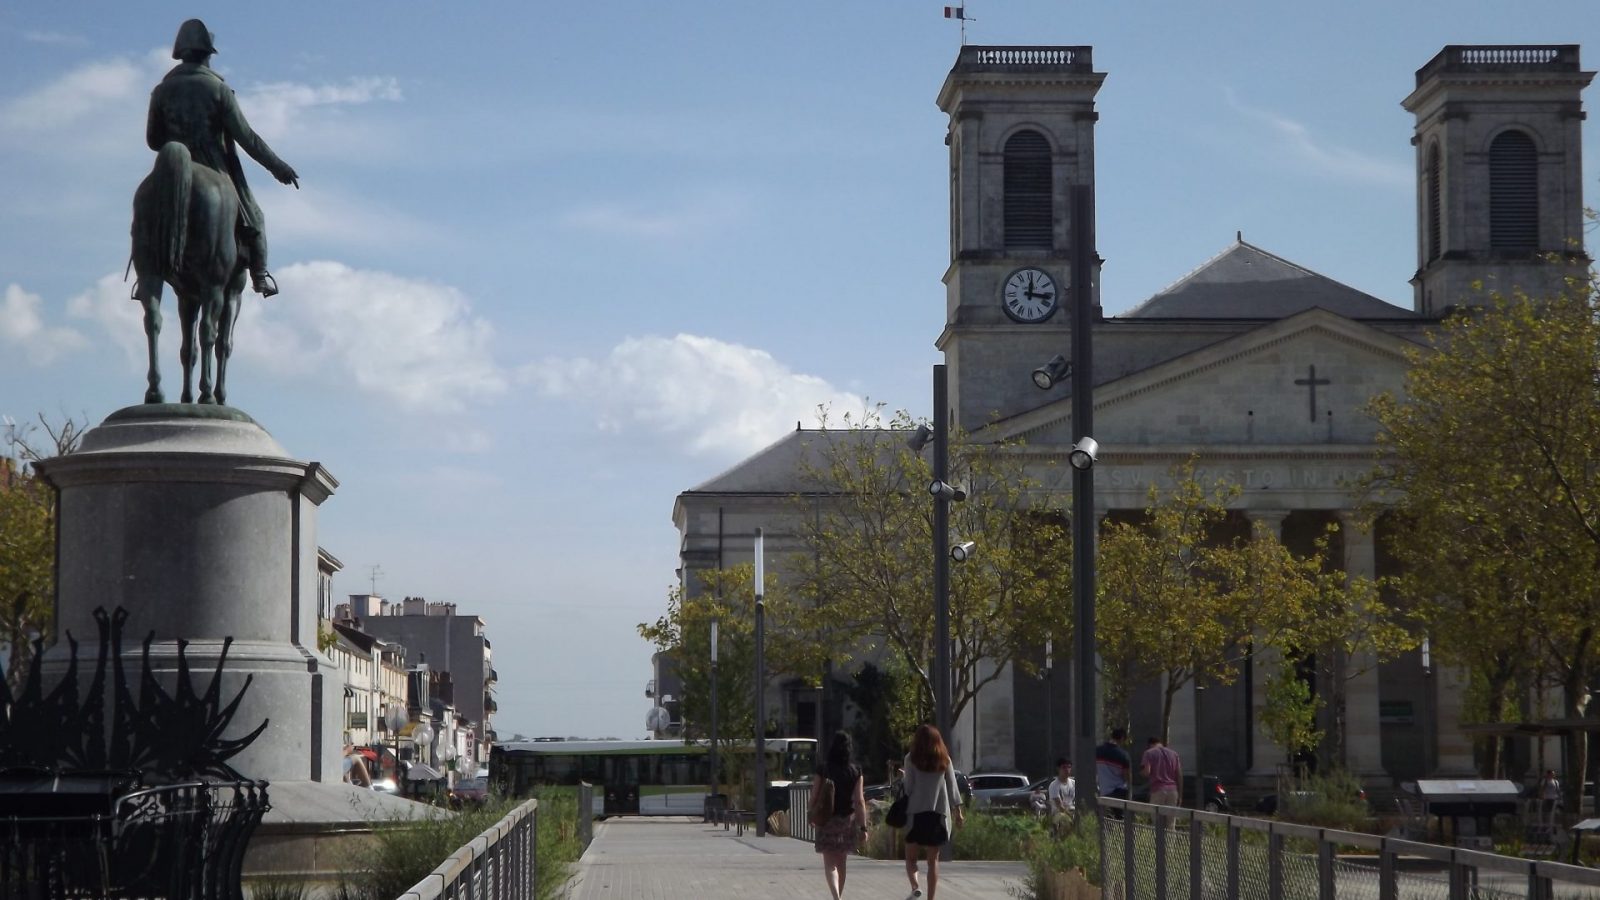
(1302, 380)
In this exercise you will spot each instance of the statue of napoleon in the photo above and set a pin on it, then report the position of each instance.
(196, 225)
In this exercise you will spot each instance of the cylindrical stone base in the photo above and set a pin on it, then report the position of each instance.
(202, 527)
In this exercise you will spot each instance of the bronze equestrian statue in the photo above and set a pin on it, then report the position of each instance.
(196, 225)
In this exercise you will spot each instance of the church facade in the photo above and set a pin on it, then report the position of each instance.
(1257, 367)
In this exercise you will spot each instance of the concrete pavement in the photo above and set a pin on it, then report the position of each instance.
(672, 858)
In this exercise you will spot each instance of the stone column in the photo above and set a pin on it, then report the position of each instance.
(1265, 754)
(1454, 747)
(1363, 733)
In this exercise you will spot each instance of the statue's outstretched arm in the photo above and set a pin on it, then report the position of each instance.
(247, 139)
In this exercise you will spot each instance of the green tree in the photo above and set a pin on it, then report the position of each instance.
(27, 538)
(1491, 455)
(1289, 713)
(727, 596)
(1180, 598)
(866, 528)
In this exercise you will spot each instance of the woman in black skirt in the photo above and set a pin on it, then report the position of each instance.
(930, 785)
(838, 837)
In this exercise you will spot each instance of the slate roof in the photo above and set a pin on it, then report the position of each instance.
(780, 467)
(1246, 282)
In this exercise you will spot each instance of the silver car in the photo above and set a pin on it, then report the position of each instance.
(988, 785)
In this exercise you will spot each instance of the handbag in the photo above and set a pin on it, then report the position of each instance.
(821, 804)
(896, 816)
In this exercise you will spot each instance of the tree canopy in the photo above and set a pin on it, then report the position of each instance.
(1492, 458)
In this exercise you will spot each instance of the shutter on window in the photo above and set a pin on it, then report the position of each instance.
(1513, 193)
(1028, 189)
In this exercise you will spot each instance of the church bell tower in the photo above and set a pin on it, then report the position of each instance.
(1499, 172)
(1021, 136)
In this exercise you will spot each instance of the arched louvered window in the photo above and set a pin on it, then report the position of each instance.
(1435, 223)
(1028, 192)
(1513, 192)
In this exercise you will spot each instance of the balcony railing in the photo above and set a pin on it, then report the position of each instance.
(1459, 58)
(1025, 59)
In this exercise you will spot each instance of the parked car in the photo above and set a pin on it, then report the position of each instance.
(1216, 795)
(1026, 799)
(885, 791)
(471, 791)
(986, 786)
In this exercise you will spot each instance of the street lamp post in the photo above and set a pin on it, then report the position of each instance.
(715, 772)
(761, 689)
(941, 556)
(1083, 518)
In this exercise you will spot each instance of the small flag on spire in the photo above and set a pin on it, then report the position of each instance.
(955, 12)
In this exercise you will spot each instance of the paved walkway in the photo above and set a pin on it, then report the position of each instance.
(673, 858)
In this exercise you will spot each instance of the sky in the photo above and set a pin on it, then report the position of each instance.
(550, 265)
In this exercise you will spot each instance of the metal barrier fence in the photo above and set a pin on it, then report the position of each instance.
(180, 841)
(585, 815)
(799, 807)
(1173, 853)
(496, 865)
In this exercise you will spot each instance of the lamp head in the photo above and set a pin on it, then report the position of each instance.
(1046, 376)
(964, 551)
(1083, 453)
(919, 438)
(946, 492)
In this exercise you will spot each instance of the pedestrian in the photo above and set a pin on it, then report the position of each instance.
(1111, 768)
(1063, 797)
(842, 833)
(355, 768)
(1549, 794)
(930, 785)
(1164, 770)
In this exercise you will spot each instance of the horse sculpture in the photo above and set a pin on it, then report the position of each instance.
(184, 219)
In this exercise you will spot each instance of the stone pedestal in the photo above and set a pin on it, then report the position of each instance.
(199, 525)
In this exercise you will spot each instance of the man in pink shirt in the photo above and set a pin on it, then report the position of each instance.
(1160, 764)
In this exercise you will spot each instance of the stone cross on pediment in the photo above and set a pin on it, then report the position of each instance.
(1311, 381)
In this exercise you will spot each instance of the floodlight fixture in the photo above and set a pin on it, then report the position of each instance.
(920, 438)
(1083, 453)
(946, 492)
(964, 551)
(1046, 376)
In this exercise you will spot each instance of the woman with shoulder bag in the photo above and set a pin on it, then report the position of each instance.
(932, 800)
(838, 837)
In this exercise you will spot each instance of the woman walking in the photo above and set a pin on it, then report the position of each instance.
(838, 837)
(930, 785)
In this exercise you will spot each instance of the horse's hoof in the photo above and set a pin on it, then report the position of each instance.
(205, 400)
(154, 396)
(187, 397)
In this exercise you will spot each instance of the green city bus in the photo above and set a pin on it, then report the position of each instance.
(643, 778)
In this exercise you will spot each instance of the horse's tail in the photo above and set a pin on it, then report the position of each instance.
(172, 181)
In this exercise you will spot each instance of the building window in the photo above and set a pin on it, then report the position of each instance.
(1028, 193)
(1435, 240)
(1513, 192)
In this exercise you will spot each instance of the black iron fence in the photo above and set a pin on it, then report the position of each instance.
(1174, 853)
(88, 836)
(496, 865)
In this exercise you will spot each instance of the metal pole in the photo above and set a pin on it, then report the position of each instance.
(761, 689)
(1083, 516)
(941, 557)
(715, 772)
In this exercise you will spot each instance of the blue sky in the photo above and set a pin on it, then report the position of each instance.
(552, 264)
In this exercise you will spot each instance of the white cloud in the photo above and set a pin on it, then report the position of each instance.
(719, 399)
(22, 327)
(55, 38)
(274, 108)
(1340, 162)
(413, 343)
(86, 93)
(685, 219)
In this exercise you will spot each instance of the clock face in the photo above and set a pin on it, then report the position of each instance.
(1029, 295)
